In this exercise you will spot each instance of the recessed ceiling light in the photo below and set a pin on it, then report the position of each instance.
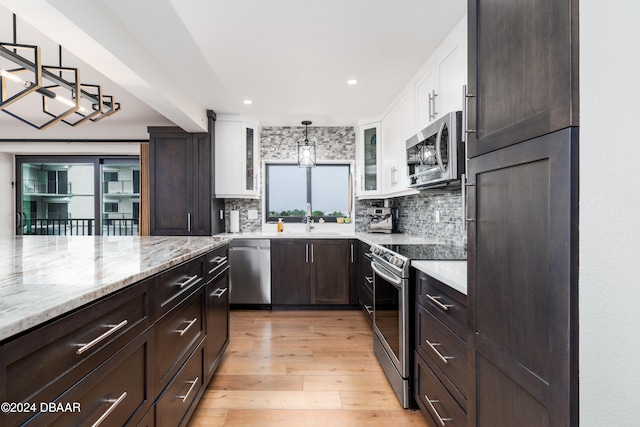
(352, 82)
(248, 101)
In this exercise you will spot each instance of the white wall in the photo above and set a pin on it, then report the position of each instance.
(609, 281)
(7, 195)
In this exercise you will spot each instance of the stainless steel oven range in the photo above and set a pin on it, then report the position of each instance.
(391, 316)
(393, 303)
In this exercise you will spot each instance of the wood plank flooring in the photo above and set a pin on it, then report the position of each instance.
(301, 368)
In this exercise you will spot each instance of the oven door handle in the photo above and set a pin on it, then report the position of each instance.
(394, 280)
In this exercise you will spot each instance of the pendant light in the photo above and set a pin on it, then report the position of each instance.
(306, 149)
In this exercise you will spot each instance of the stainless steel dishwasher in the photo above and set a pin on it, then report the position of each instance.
(250, 274)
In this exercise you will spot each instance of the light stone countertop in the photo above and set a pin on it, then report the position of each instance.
(451, 273)
(370, 238)
(42, 277)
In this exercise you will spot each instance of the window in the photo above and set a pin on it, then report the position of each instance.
(111, 207)
(78, 195)
(290, 188)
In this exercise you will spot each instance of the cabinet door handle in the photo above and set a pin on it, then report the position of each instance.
(189, 222)
(306, 252)
(219, 292)
(111, 408)
(191, 323)
(435, 113)
(430, 402)
(445, 359)
(187, 282)
(186, 396)
(312, 254)
(438, 303)
(464, 112)
(352, 253)
(91, 344)
(430, 113)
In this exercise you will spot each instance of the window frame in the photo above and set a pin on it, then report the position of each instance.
(297, 219)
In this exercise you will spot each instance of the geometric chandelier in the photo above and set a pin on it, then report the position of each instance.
(41, 95)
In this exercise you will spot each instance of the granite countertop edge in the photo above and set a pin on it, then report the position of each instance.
(35, 296)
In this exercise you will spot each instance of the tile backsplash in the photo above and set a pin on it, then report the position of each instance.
(416, 214)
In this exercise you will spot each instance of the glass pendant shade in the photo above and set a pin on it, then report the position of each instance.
(306, 149)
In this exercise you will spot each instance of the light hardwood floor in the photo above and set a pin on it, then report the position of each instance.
(301, 368)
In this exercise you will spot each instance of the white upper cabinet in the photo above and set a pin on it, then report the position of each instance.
(438, 89)
(237, 158)
(368, 155)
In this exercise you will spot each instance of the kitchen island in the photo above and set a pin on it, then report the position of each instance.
(42, 277)
(111, 328)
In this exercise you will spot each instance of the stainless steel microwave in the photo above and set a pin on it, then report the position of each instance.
(435, 155)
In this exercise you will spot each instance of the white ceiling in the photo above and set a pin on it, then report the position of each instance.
(168, 61)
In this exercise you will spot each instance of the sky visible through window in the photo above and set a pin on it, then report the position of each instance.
(287, 190)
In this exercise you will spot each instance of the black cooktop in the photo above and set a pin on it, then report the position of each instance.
(416, 252)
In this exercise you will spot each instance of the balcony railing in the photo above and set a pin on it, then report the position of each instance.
(80, 227)
(121, 187)
(59, 227)
(33, 186)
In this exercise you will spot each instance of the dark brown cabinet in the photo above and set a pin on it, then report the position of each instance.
(290, 271)
(523, 207)
(523, 71)
(70, 348)
(364, 282)
(180, 182)
(315, 272)
(217, 290)
(141, 356)
(441, 367)
(329, 271)
(523, 282)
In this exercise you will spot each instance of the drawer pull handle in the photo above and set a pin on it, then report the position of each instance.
(219, 292)
(438, 303)
(191, 323)
(193, 384)
(187, 282)
(445, 359)
(369, 279)
(430, 402)
(221, 263)
(113, 330)
(115, 402)
(368, 308)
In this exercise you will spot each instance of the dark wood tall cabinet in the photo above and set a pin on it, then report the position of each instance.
(523, 213)
(180, 182)
(523, 71)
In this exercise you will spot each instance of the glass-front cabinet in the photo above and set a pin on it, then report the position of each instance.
(368, 160)
(237, 157)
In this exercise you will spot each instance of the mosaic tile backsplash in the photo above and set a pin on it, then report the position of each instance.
(416, 214)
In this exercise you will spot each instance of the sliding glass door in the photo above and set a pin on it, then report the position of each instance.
(75, 195)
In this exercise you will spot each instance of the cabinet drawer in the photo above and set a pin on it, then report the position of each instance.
(215, 261)
(444, 352)
(366, 301)
(177, 334)
(217, 320)
(446, 304)
(181, 393)
(42, 364)
(118, 393)
(177, 283)
(433, 399)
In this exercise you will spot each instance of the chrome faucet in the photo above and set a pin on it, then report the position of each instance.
(308, 218)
